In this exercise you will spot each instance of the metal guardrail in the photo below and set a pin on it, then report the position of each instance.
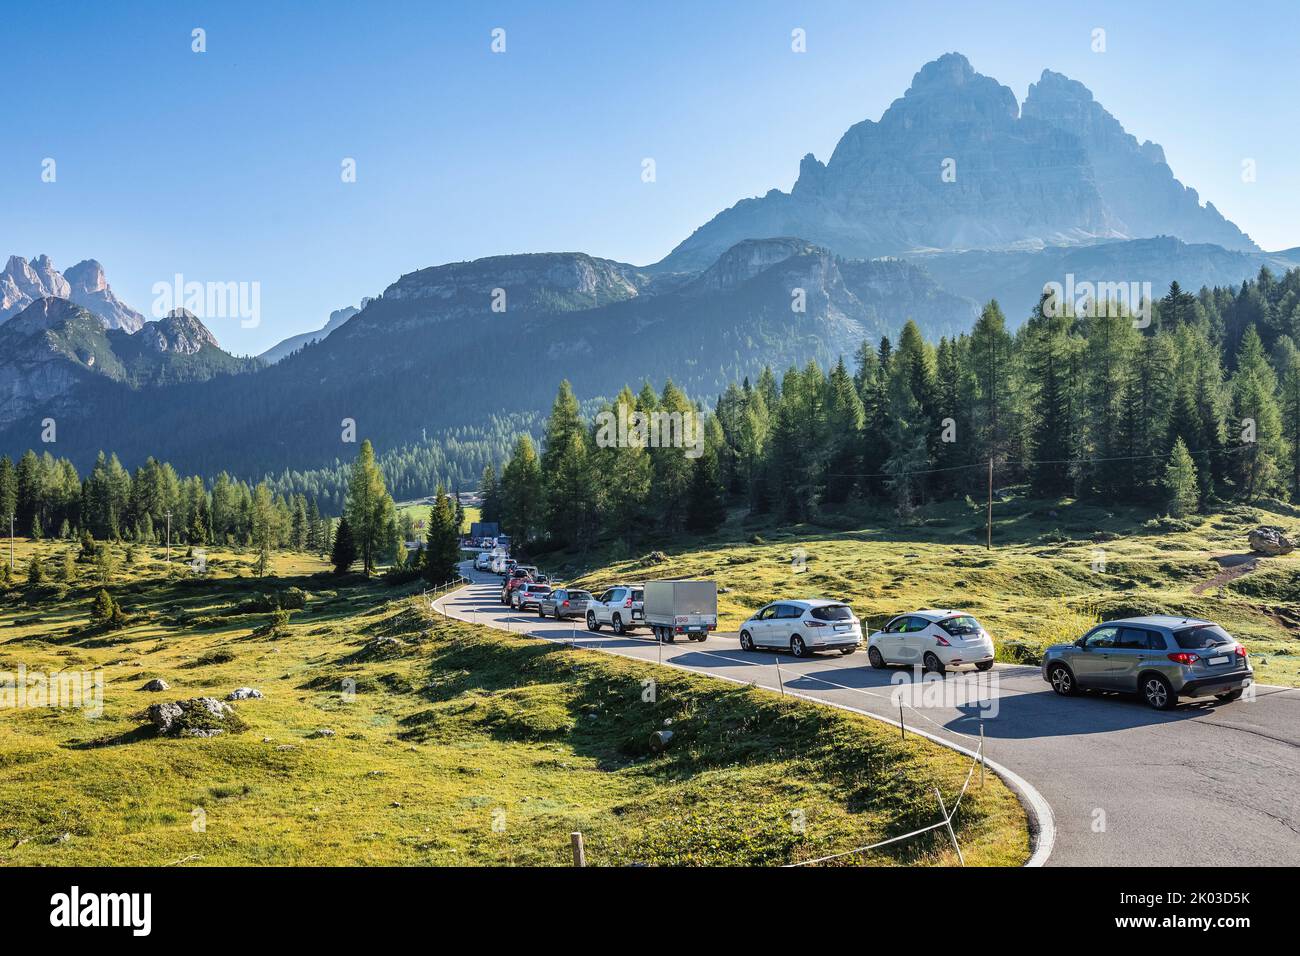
(945, 821)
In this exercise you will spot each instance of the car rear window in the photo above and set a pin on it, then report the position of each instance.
(832, 612)
(638, 594)
(1201, 637)
(961, 624)
(579, 596)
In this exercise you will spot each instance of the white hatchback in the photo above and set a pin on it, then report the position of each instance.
(802, 627)
(933, 639)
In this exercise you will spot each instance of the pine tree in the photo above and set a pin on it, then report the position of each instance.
(521, 490)
(265, 527)
(442, 544)
(104, 611)
(1290, 412)
(707, 511)
(1051, 426)
(1257, 417)
(568, 482)
(344, 551)
(490, 493)
(1180, 482)
(35, 571)
(845, 419)
(624, 473)
(990, 394)
(369, 509)
(670, 468)
(8, 491)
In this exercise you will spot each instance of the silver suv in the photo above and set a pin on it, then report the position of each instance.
(1160, 657)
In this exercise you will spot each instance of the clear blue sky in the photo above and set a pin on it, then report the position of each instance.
(224, 166)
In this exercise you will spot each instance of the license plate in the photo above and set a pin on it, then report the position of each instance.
(843, 627)
(1218, 660)
(636, 614)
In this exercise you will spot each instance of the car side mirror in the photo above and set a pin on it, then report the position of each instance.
(1082, 644)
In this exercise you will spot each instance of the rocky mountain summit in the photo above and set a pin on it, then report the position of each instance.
(23, 282)
(54, 348)
(956, 163)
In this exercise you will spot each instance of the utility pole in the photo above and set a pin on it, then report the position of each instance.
(11, 542)
(169, 534)
(989, 542)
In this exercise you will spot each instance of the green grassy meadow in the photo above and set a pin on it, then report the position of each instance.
(459, 745)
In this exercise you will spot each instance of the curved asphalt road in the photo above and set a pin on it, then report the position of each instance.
(1203, 785)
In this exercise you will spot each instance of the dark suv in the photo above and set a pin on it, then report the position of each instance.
(513, 580)
(1162, 658)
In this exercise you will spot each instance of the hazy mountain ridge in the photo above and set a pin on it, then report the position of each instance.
(295, 342)
(956, 164)
(436, 355)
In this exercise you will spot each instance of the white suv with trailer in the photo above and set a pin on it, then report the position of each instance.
(620, 607)
(681, 609)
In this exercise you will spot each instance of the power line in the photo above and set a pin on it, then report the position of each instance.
(1037, 461)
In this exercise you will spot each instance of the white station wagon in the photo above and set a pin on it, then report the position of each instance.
(802, 627)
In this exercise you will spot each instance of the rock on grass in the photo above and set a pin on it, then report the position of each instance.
(196, 717)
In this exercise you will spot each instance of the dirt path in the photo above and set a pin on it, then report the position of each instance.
(1233, 566)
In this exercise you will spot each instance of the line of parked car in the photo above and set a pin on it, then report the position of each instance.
(1161, 658)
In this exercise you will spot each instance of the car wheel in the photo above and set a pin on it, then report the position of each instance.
(984, 666)
(591, 622)
(541, 612)
(1157, 692)
(1062, 680)
(932, 664)
(617, 623)
(1229, 697)
(746, 641)
(876, 658)
(846, 651)
(797, 647)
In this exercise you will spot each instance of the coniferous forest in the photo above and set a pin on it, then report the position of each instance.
(1199, 405)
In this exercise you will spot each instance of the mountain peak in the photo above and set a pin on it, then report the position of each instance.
(87, 276)
(949, 70)
(957, 163)
(749, 257)
(180, 332)
(23, 282)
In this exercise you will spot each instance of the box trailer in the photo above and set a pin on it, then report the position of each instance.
(681, 608)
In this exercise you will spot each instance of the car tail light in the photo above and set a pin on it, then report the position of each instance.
(941, 641)
(1241, 651)
(629, 603)
(566, 603)
(1184, 658)
(809, 623)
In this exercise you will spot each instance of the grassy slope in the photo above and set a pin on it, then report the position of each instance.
(446, 729)
(1047, 579)
(421, 513)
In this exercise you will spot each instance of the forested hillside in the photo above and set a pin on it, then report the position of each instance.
(1200, 406)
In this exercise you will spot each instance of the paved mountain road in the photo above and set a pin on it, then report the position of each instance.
(1204, 785)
